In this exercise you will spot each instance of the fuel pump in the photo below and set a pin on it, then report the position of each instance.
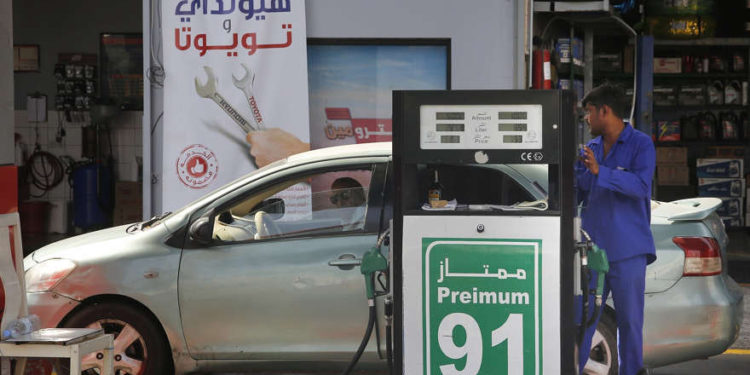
(483, 278)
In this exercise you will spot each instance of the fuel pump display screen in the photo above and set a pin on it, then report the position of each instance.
(450, 139)
(481, 127)
(512, 127)
(513, 138)
(512, 115)
(450, 127)
(449, 116)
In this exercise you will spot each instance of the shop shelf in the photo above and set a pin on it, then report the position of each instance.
(703, 107)
(695, 76)
(612, 75)
(702, 143)
(708, 42)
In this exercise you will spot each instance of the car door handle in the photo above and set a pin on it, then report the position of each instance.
(346, 261)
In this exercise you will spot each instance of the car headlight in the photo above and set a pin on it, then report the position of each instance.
(46, 275)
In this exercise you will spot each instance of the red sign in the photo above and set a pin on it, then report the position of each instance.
(368, 130)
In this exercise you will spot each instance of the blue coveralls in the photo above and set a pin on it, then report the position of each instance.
(617, 214)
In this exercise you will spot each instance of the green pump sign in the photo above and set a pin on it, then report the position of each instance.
(482, 306)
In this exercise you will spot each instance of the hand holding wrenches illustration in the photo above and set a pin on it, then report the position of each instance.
(209, 91)
(246, 85)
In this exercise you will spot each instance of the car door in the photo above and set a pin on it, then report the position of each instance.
(279, 281)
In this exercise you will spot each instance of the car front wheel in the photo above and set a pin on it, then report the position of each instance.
(139, 346)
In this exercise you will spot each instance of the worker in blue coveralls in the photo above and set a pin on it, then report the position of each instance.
(613, 177)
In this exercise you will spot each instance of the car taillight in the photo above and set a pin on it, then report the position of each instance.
(702, 255)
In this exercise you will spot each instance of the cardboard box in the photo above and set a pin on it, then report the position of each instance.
(628, 61)
(564, 84)
(667, 65)
(719, 168)
(671, 155)
(127, 214)
(725, 152)
(672, 175)
(721, 187)
(128, 193)
(733, 221)
(562, 47)
(608, 62)
(730, 207)
(668, 131)
(692, 95)
(665, 95)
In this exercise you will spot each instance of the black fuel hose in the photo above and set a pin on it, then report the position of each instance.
(45, 171)
(593, 317)
(389, 336)
(365, 339)
(389, 348)
(585, 302)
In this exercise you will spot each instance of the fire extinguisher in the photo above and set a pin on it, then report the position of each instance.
(542, 73)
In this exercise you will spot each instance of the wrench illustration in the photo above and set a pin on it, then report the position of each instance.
(209, 91)
(246, 85)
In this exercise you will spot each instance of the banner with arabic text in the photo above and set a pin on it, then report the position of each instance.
(235, 92)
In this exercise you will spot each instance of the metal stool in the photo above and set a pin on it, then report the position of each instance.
(73, 343)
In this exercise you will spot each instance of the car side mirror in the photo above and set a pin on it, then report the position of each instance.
(201, 231)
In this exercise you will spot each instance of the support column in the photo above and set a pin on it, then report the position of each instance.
(644, 70)
(7, 94)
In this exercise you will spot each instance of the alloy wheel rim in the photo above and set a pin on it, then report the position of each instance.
(129, 349)
(600, 359)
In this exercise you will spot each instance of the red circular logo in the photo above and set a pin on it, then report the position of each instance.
(197, 166)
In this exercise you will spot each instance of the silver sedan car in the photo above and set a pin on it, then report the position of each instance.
(258, 274)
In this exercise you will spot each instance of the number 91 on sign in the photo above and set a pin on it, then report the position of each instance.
(482, 310)
(510, 331)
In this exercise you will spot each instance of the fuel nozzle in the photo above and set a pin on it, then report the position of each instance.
(597, 261)
(373, 261)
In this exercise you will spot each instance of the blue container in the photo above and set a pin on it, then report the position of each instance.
(92, 195)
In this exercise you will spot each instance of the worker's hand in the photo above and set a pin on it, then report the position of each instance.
(268, 146)
(589, 160)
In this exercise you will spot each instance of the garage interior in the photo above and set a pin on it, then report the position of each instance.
(698, 78)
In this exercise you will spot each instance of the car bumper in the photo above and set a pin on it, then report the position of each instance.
(698, 317)
(50, 307)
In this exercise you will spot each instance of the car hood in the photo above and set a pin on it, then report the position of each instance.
(102, 241)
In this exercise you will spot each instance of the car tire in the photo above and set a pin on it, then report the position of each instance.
(603, 357)
(140, 345)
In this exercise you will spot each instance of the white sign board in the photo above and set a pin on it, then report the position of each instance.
(232, 68)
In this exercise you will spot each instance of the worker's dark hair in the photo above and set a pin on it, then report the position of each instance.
(612, 96)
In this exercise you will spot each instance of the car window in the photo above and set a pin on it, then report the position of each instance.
(327, 202)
